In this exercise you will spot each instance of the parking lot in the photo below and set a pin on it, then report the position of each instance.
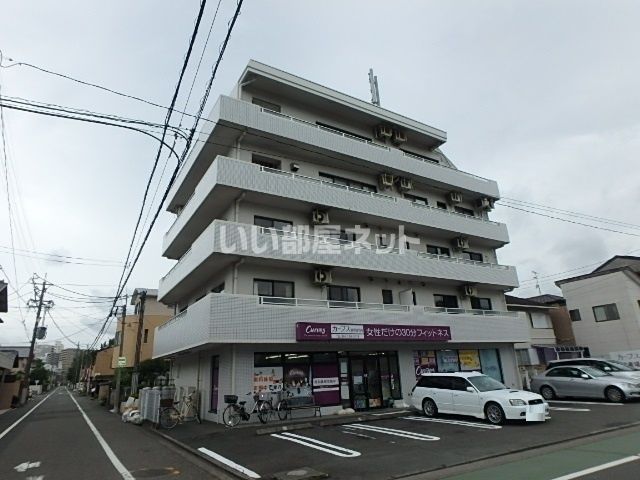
(404, 445)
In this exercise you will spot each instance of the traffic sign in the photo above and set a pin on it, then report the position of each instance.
(122, 361)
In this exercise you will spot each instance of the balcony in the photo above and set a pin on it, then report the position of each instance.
(227, 177)
(224, 318)
(231, 116)
(223, 242)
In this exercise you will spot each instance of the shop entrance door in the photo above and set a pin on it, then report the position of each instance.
(372, 383)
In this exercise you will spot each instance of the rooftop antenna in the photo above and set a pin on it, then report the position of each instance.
(375, 92)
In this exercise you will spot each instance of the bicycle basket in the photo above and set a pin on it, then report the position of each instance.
(230, 399)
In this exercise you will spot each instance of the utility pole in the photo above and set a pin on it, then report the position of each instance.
(136, 361)
(40, 305)
(116, 407)
(80, 365)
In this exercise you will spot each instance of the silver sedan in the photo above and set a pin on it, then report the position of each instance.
(574, 381)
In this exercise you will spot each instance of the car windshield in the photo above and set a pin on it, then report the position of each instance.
(486, 384)
(594, 372)
(619, 367)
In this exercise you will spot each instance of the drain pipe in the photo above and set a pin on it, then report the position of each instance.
(236, 213)
(242, 135)
(234, 290)
(234, 286)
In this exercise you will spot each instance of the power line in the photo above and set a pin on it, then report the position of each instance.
(114, 262)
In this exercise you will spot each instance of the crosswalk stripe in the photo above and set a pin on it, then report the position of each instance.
(461, 423)
(393, 431)
(317, 444)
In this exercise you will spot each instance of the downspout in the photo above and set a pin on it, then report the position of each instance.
(242, 135)
(234, 290)
(236, 213)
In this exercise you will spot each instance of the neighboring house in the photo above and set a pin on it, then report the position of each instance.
(543, 345)
(101, 367)
(13, 361)
(605, 308)
(562, 325)
(155, 314)
(292, 272)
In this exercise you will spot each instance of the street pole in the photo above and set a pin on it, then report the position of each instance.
(136, 361)
(80, 365)
(27, 368)
(116, 407)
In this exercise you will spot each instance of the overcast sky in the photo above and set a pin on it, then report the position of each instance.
(541, 96)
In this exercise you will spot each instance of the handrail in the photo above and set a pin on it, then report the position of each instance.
(474, 311)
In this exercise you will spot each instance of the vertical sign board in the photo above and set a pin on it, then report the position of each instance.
(4, 303)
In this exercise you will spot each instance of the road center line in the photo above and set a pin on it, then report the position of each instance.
(317, 444)
(14, 424)
(599, 468)
(229, 463)
(122, 470)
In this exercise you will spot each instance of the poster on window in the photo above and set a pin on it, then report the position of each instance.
(447, 361)
(267, 379)
(326, 384)
(491, 363)
(424, 361)
(297, 381)
(469, 360)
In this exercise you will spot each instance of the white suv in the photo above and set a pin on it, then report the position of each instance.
(476, 395)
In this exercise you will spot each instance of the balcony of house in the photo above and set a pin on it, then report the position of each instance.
(231, 119)
(226, 318)
(227, 178)
(225, 242)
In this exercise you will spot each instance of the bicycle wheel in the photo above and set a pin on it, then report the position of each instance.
(264, 411)
(283, 410)
(231, 416)
(169, 418)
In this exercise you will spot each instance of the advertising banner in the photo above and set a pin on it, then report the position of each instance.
(267, 379)
(469, 360)
(424, 361)
(370, 333)
(447, 361)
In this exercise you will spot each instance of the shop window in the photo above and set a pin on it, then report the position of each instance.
(447, 361)
(273, 288)
(469, 360)
(490, 360)
(445, 301)
(267, 359)
(387, 297)
(481, 303)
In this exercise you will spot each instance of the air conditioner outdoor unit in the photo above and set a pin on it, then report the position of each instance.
(398, 137)
(469, 291)
(320, 217)
(485, 203)
(385, 180)
(455, 197)
(405, 184)
(461, 243)
(383, 132)
(321, 277)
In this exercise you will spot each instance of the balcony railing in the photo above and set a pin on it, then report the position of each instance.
(460, 311)
(174, 319)
(306, 302)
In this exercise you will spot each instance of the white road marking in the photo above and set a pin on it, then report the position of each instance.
(23, 467)
(461, 423)
(14, 424)
(568, 409)
(122, 470)
(317, 444)
(599, 468)
(229, 463)
(388, 413)
(393, 431)
(588, 403)
(361, 435)
(39, 477)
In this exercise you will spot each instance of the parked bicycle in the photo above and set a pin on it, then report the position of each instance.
(171, 416)
(237, 411)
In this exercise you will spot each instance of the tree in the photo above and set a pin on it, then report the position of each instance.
(39, 373)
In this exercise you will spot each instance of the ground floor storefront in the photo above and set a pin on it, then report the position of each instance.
(333, 375)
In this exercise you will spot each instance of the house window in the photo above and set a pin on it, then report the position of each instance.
(266, 162)
(341, 130)
(274, 107)
(435, 250)
(218, 289)
(575, 315)
(273, 288)
(604, 313)
(272, 223)
(446, 301)
(539, 320)
(416, 199)
(387, 297)
(146, 335)
(441, 205)
(481, 303)
(348, 182)
(464, 211)
(344, 294)
(476, 257)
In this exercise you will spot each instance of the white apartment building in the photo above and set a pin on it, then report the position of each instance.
(604, 306)
(327, 247)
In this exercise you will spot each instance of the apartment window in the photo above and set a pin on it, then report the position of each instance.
(575, 315)
(218, 288)
(348, 182)
(387, 297)
(481, 303)
(272, 223)
(416, 199)
(340, 235)
(341, 130)
(464, 211)
(344, 294)
(433, 160)
(604, 313)
(266, 162)
(266, 104)
(446, 301)
(476, 257)
(441, 205)
(273, 288)
(146, 335)
(436, 250)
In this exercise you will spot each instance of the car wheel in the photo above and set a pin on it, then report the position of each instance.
(547, 393)
(494, 413)
(429, 407)
(614, 395)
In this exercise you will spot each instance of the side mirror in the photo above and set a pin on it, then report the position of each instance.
(585, 376)
(607, 368)
(471, 389)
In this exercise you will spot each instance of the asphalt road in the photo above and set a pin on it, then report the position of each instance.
(54, 441)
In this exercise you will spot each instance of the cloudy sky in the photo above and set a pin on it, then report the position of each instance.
(541, 96)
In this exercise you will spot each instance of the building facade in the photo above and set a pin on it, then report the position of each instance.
(604, 306)
(327, 247)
